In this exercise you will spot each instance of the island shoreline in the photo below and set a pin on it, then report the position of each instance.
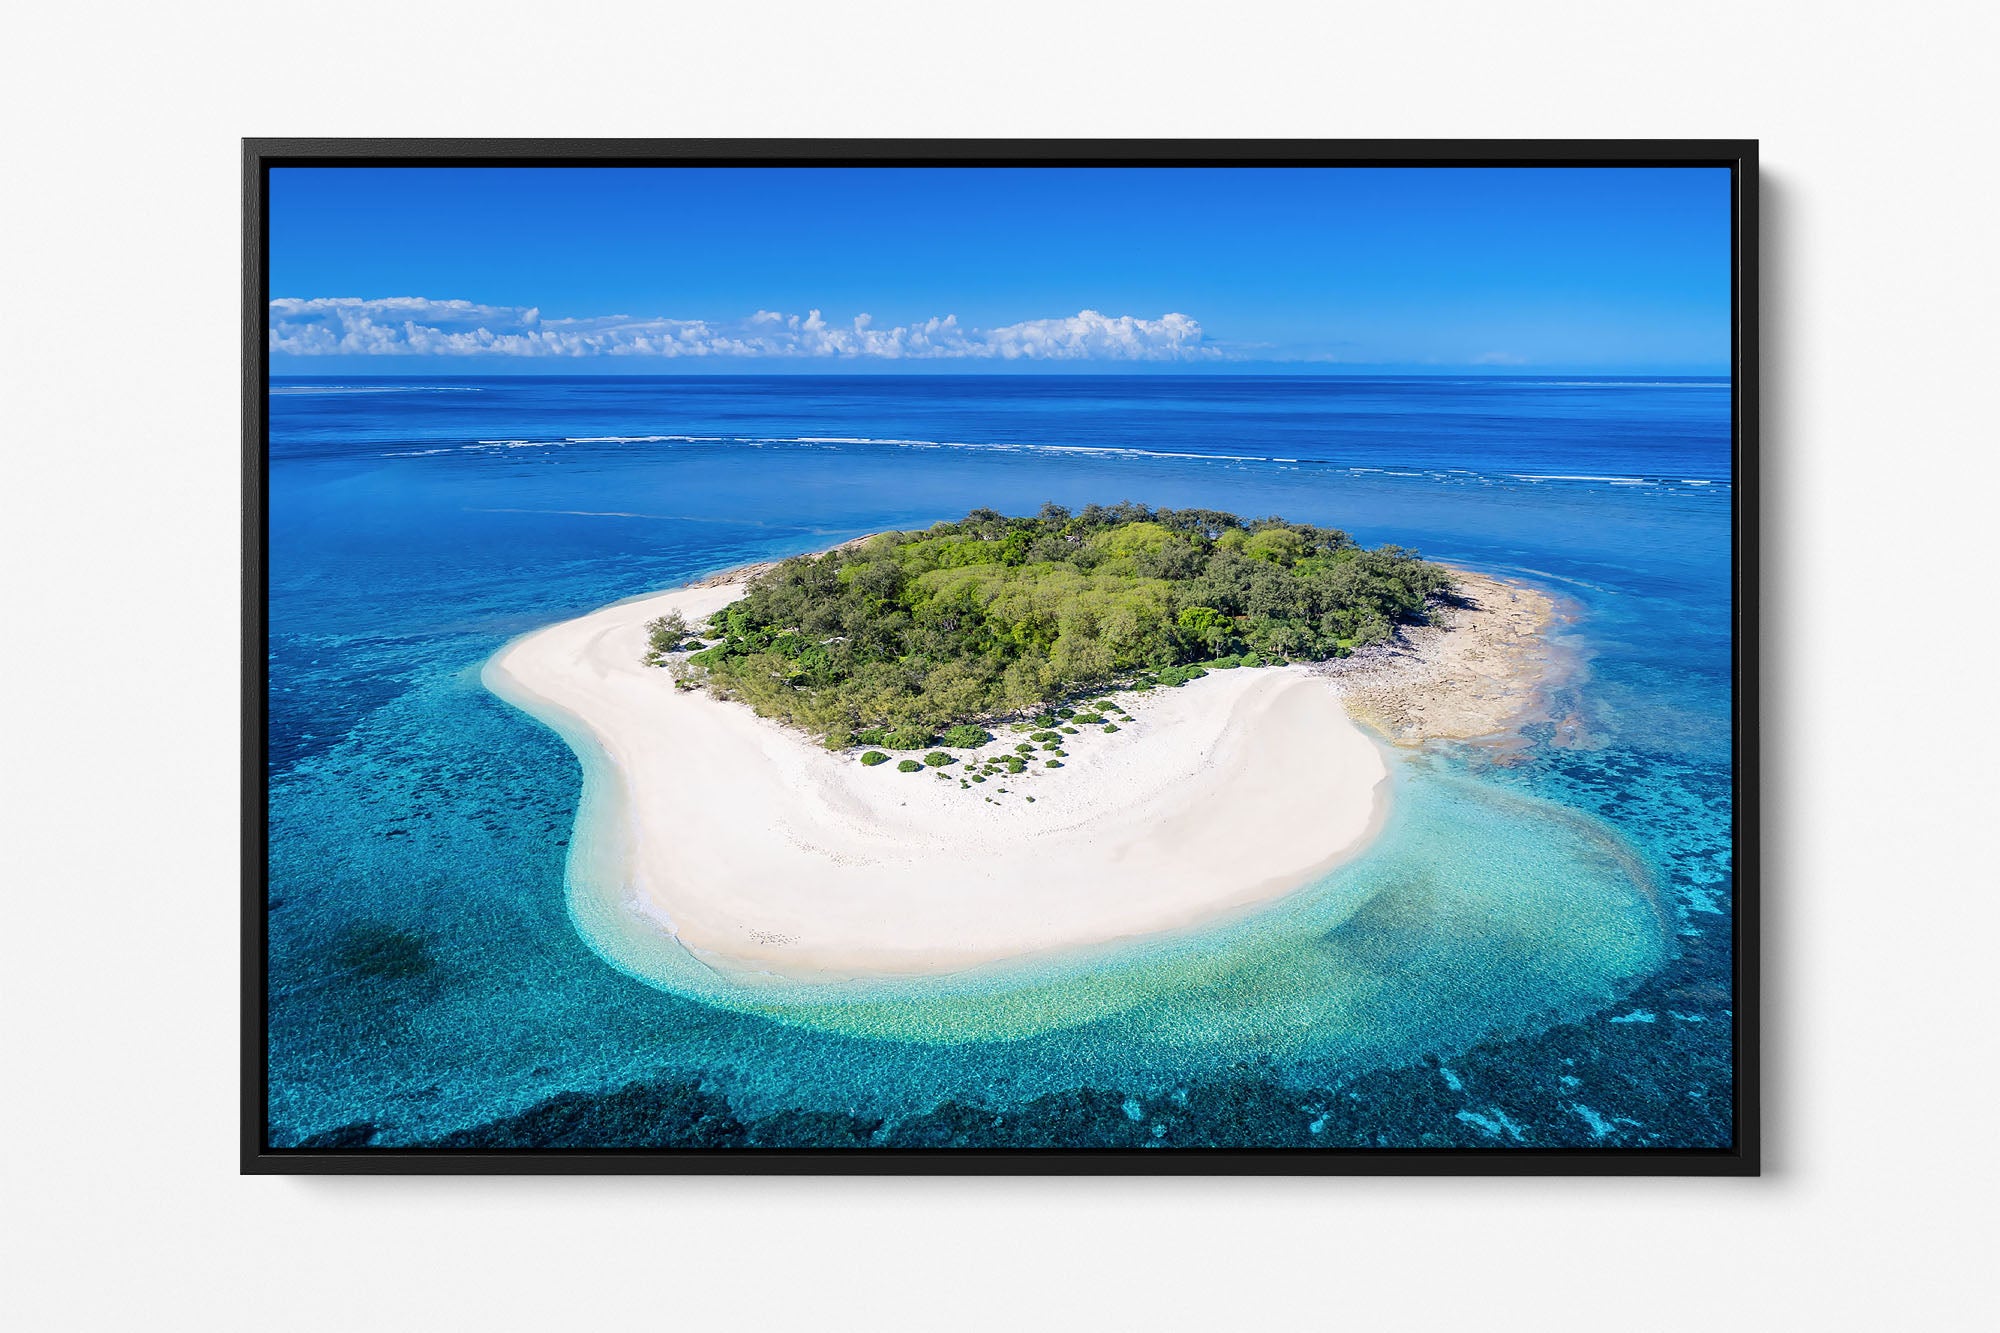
(757, 934)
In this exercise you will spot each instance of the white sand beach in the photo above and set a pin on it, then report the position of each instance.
(765, 853)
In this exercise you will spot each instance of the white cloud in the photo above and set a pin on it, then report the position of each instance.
(418, 326)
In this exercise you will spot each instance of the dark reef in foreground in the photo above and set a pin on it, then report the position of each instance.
(1621, 1070)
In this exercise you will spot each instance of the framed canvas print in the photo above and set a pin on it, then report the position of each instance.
(987, 657)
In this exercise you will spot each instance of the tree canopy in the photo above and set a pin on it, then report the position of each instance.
(993, 616)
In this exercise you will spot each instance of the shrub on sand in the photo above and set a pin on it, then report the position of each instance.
(874, 757)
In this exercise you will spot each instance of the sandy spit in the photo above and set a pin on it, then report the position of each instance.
(765, 853)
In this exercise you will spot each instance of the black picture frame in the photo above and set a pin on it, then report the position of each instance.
(1738, 156)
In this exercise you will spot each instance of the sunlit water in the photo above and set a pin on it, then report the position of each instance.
(432, 967)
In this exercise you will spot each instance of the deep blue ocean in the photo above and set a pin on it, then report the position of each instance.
(1545, 955)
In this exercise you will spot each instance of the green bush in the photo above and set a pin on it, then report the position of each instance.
(1088, 719)
(872, 736)
(1046, 736)
(874, 757)
(1053, 763)
(938, 759)
(1065, 712)
(908, 766)
(1025, 747)
(1110, 727)
(965, 736)
(711, 657)
(669, 633)
(1016, 764)
(908, 738)
(1055, 744)
(1068, 731)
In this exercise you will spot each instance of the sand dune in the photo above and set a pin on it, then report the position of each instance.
(763, 852)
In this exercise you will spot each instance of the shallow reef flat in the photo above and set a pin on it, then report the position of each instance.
(1476, 673)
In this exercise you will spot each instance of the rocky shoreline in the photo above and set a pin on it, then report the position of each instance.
(1477, 674)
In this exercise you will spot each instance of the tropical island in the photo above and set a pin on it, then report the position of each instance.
(908, 634)
(1112, 723)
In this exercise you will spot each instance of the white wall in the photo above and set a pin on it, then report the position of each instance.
(121, 1198)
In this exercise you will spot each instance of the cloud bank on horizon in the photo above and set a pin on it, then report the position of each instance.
(420, 326)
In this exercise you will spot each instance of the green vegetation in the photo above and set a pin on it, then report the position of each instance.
(911, 634)
(896, 738)
(874, 757)
(938, 759)
(667, 634)
(908, 766)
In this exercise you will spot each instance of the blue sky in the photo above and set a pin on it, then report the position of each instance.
(733, 270)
